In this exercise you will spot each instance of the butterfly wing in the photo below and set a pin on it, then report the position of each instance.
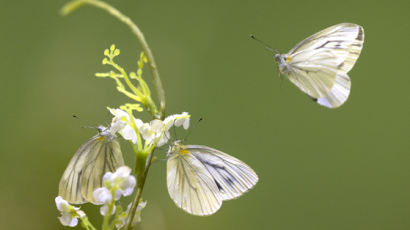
(338, 94)
(191, 186)
(232, 176)
(319, 64)
(69, 186)
(104, 157)
(315, 81)
(86, 169)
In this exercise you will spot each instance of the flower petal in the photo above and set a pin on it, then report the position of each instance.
(61, 204)
(186, 123)
(102, 196)
(127, 186)
(128, 133)
(104, 210)
(66, 220)
(123, 171)
(116, 125)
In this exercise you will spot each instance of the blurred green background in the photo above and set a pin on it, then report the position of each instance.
(340, 169)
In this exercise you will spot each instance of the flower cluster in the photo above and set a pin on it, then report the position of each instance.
(117, 184)
(69, 213)
(155, 133)
(123, 216)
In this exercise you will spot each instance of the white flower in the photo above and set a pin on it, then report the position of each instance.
(124, 181)
(122, 172)
(137, 218)
(178, 120)
(120, 181)
(141, 205)
(121, 219)
(182, 120)
(126, 131)
(69, 214)
(102, 196)
(116, 125)
(104, 210)
(155, 131)
(158, 131)
(127, 182)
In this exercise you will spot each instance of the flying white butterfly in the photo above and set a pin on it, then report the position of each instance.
(199, 178)
(319, 64)
(86, 169)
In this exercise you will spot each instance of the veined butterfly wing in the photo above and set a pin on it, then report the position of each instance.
(87, 167)
(103, 158)
(232, 176)
(199, 178)
(69, 187)
(190, 185)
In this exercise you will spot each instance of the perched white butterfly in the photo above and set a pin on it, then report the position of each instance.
(319, 64)
(199, 178)
(86, 169)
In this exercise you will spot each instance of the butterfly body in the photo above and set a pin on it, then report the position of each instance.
(280, 60)
(318, 65)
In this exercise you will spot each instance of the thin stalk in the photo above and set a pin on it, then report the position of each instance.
(126, 79)
(87, 224)
(71, 6)
(134, 126)
(108, 214)
(138, 194)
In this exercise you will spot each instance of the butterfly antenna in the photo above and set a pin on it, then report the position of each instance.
(84, 122)
(190, 131)
(267, 46)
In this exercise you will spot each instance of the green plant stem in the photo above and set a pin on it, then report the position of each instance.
(150, 105)
(105, 222)
(138, 194)
(71, 6)
(137, 149)
(108, 214)
(126, 79)
(87, 224)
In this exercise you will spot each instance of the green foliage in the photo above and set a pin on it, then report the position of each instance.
(131, 85)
